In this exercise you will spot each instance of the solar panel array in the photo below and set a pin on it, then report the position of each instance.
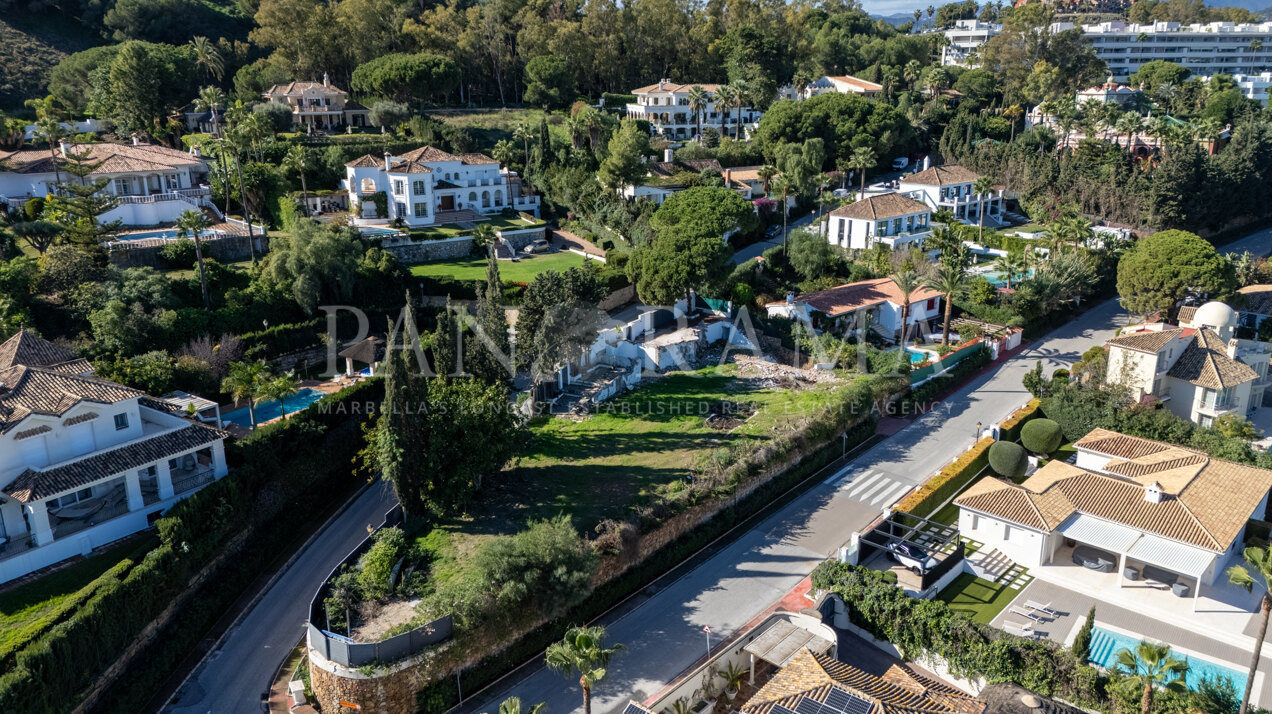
(634, 708)
(837, 702)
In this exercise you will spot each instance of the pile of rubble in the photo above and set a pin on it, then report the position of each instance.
(774, 374)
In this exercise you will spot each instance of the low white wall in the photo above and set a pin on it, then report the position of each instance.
(148, 214)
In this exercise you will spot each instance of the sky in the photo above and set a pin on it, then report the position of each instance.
(892, 7)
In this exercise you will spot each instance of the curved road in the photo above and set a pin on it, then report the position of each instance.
(233, 677)
(663, 634)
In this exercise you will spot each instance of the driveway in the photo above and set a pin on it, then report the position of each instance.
(756, 249)
(233, 678)
(663, 634)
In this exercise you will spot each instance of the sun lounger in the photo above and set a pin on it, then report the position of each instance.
(1026, 614)
(1015, 628)
(1039, 607)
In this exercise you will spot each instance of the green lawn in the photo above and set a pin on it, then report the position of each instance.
(522, 271)
(981, 599)
(28, 610)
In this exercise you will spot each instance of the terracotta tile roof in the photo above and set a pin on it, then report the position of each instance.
(1258, 299)
(667, 169)
(296, 88)
(886, 205)
(428, 154)
(898, 691)
(854, 296)
(1150, 341)
(942, 176)
(38, 377)
(857, 82)
(410, 167)
(1207, 505)
(28, 349)
(674, 87)
(1206, 363)
(33, 485)
(110, 158)
(366, 161)
(474, 159)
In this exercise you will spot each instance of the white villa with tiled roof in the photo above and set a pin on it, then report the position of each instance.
(84, 461)
(320, 105)
(951, 187)
(843, 84)
(428, 186)
(879, 300)
(1199, 370)
(1131, 513)
(889, 219)
(665, 106)
(153, 184)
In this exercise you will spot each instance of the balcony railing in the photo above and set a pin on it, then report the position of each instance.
(66, 527)
(183, 481)
(180, 194)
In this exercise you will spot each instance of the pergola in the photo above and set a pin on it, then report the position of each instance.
(782, 641)
(369, 351)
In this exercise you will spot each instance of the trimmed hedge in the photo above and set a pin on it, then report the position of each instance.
(1008, 459)
(289, 470)
(950, 481)
(1009, 429)
(442, 694)
(1041, 436)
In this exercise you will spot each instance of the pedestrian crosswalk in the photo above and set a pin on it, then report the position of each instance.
(872, 487)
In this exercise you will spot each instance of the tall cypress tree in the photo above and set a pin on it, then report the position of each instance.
(479, 359)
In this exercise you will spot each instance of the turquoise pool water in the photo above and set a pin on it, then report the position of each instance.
(1105, 646)
(377, 231)
(271, 410)
(171, 233)
(997, 279)
(917, 356)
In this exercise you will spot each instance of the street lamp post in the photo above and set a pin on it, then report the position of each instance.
(978, 431)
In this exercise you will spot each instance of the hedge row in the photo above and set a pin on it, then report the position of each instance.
(290, 470)
(442, 694)
(953, 478)
(930, 390)
(1009, 429)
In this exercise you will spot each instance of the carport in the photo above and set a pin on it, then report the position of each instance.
(783, 640)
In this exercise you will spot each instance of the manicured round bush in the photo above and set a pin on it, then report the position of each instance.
(1007, 459)
(1041, 436)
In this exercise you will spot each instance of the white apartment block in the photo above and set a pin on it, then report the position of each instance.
(83, 461)
(1204, 49)
(427, 186)
(665, 106)
(964, 38)
(1253, 86)
(152, 184)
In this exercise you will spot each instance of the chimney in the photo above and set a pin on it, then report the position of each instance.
(388, 162)
(1153, 492)
(728, 177)
(326, 80)
(669, 155)
(790, 298)
(196, 152)
(135, 139)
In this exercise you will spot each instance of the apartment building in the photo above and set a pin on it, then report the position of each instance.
(1253, 86)
(1205, 49)
(964, 38)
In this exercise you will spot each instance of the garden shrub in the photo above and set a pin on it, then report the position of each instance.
(1041, 436)
(375, 567)
(1009, 429)
(178, 254)
(1008, 459)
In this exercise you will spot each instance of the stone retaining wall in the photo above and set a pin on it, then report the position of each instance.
(227, 249)
(387, 692)
(452, 248)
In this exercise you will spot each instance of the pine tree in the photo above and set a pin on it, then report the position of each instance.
(80, 205)
(479, 359)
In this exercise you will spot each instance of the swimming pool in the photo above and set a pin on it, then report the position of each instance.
(377, 231)
(271, 410)
(170, 234)
(917, 356)
(998, 279)
(1105, 646)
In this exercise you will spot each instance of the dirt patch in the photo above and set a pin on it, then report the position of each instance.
(766, 373)
(378, 618)
(727, 415)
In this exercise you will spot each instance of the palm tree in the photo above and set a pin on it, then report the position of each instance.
(1013, 114)
(1149, 666)
(739, 100)
(981, 187)
(784, 185)
(207, 57)
(209, 99)
(504, 152)
(193, 223)
(582, 651)
(1010, 266)
(822, 181)
(524, 133)
(50, 129)
(280, 388)
(911, 72)
(294, 160)
(512, 705)
(1259, 561)
(725, 95)
(1129, 124)
(862, 158)
(917, 15)
(484, 237)
(766, 174)
(907, 281)
(244, 382)
(576, 126)
(698, 99)
(950, 279)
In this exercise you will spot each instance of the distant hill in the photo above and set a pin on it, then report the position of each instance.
(29, 48)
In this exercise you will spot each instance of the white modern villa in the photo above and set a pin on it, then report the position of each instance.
(665, 106)
(951, 187)
(83, 461)
(153, 184)
(843, 84)
(428, 186)
(889, 219)
(319, 105)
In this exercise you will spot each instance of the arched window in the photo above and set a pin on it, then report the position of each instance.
(368, 185)
(485, 199)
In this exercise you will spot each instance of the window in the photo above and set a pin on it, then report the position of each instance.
(421, 210)
(368, 187)
(418, 188)
(931, 304)
(121, 187)
(121, 422)
(399, 187)
(401, 208)
(881, 228)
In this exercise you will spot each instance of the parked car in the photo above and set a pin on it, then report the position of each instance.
(912, 557)
(773, 231)
(900, 163)
(538, 246)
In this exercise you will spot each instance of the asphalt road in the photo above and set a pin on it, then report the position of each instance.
(232, 678)
(664, 634)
